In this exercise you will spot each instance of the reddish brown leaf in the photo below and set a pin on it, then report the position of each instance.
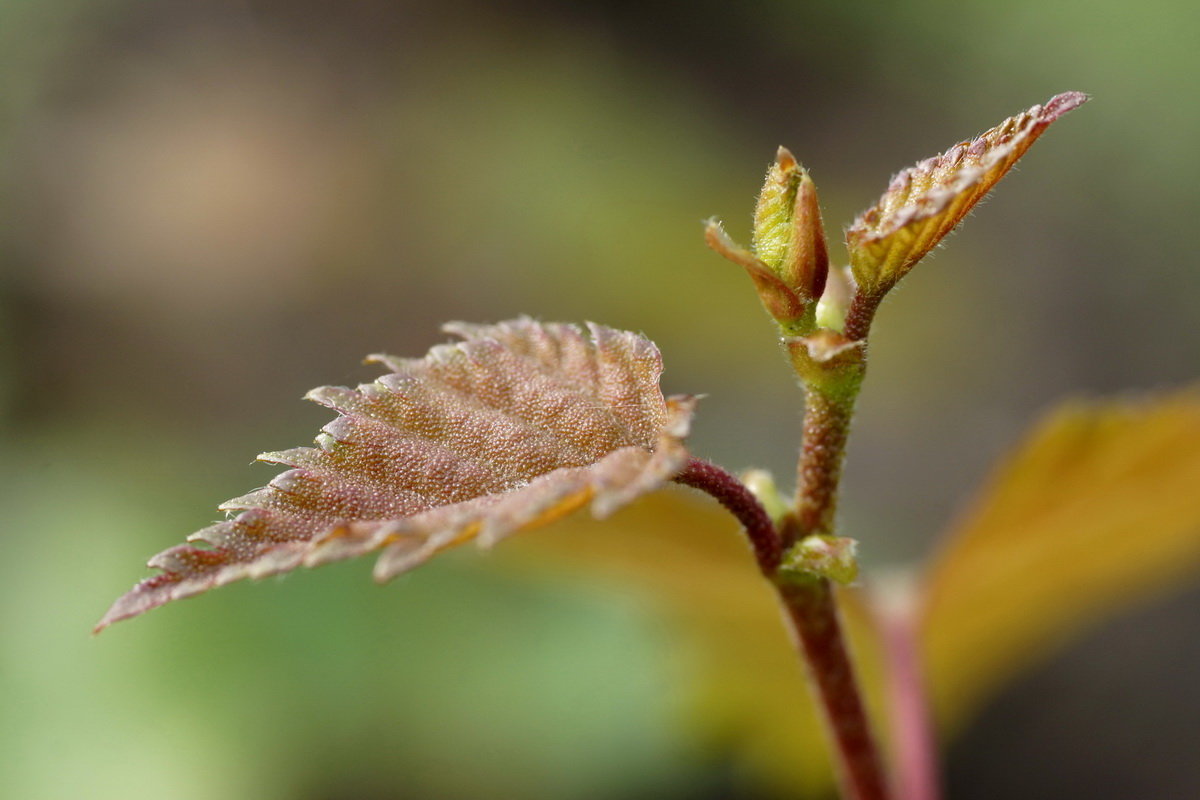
(926, 201)
(510, 428)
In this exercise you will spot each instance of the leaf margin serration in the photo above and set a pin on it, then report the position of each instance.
(651, 428)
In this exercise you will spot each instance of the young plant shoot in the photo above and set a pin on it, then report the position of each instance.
(520, 423)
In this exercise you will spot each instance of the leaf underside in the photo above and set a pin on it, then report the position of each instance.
(926, 201)
(513, 427)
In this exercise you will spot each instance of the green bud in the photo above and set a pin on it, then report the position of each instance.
(832, 307)
(788, 235)
(761, 484)
(832, 557)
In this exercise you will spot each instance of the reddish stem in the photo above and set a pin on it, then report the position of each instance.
(811, 606)
(819, 473)
(861, 314)
(741, 502)
(812, 611)
(912, 727)
(812, 614)
(809, 601)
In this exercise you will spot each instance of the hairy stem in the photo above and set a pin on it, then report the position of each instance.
(741, 502)
(810, 604)
(819, 473)
(812, 612)
(813, 618)
(831, 388)
(861, 314)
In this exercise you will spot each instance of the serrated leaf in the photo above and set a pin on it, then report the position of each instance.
(516, 425)
(926, 201)
(1096, 511)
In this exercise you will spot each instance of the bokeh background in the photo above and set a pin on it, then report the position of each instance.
(210, 207)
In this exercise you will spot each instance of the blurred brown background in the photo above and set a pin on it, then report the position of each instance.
(209, 208)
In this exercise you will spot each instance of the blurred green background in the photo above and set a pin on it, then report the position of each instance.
(210, 207)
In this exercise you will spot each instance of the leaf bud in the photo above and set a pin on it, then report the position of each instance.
(787, 308)
(788, 235)
(835, 301)
(819, 556)
(761, 484)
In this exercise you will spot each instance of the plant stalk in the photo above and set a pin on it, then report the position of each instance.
(730, 492)
(812, 612)
(819, 472)
(861, 314)
(830, 395)
(812, 617)
(808, 599)
(811, 606)
(912, 727)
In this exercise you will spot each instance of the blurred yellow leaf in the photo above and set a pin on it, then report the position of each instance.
(1097, 510)
(745, 690)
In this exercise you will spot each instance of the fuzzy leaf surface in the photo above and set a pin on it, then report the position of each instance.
(1094, 513)
(926, 201)
(517, 424)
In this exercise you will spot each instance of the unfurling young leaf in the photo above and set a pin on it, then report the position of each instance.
(510, 428)
(520, 423)
(926, 201)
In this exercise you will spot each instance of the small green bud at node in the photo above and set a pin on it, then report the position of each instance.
(761, 484)
(831, 310)
(832, 557)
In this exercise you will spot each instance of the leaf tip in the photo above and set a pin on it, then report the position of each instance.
(924, 202)
(784, 160)
(130, 604)
(1062, 103)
